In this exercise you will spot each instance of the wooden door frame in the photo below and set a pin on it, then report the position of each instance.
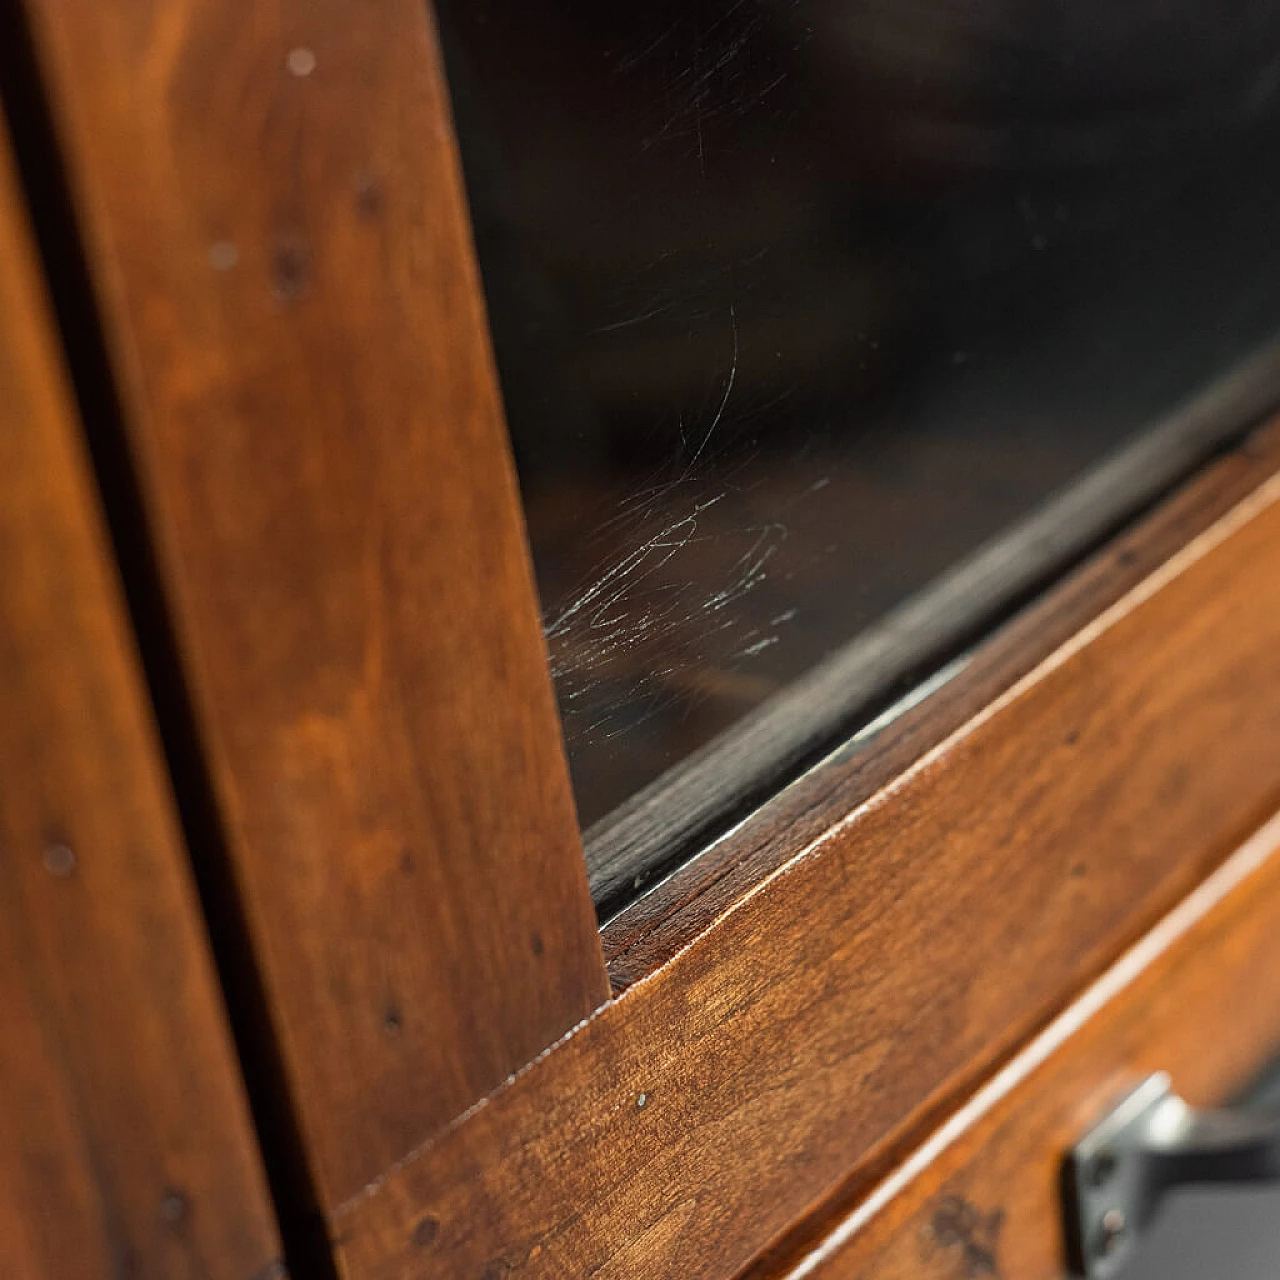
(127, 1140)
(275, 237)
(276, 244)
(841, 983)
(983, 1192)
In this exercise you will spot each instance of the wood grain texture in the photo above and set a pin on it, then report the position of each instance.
(125, 1140)
(838, 1006)
(279, 242)
(984, 1198)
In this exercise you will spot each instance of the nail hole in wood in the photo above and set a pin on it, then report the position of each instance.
(301, 61)
(59, 861)
(223, 255)
(173, 1208)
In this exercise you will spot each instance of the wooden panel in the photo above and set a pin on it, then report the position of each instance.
(1198, 997)
(827, 1015)
(278, 236)
(125, 1141)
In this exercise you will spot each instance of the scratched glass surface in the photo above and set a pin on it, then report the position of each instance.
(796, 303)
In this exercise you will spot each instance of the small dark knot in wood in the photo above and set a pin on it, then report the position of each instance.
(973, 1235)
(369, 198)
(290, 268)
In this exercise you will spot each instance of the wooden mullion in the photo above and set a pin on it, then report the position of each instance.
(277, 238)
(125, 1138)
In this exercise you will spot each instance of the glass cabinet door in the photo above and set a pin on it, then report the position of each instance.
(797, 305)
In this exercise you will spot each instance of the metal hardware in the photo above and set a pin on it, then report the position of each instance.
(1116, 1177)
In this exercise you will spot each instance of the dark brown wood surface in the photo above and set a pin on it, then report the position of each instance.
(280, 249)
(125, 1141)
(1199, 997)
(822, 1020)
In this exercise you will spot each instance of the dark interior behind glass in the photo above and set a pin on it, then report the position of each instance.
(796, 304)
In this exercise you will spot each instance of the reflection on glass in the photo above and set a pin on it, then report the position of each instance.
(795, 303)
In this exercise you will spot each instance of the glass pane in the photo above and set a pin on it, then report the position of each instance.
(797, 304)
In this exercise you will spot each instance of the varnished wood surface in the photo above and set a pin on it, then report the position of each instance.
(125, 1141)
(1199, 998)
(280, 250)
(832, 1012)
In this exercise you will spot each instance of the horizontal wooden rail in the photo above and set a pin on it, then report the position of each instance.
(1198, 997)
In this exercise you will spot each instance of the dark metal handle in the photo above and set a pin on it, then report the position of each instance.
(1152, 1142)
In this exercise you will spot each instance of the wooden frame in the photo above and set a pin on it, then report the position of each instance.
(295, 329)
(850, 997)
(277, 260)
(126, 1133)
(986, 1184)
(690, 806)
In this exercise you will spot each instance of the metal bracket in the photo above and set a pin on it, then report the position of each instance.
(1115, 1178)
